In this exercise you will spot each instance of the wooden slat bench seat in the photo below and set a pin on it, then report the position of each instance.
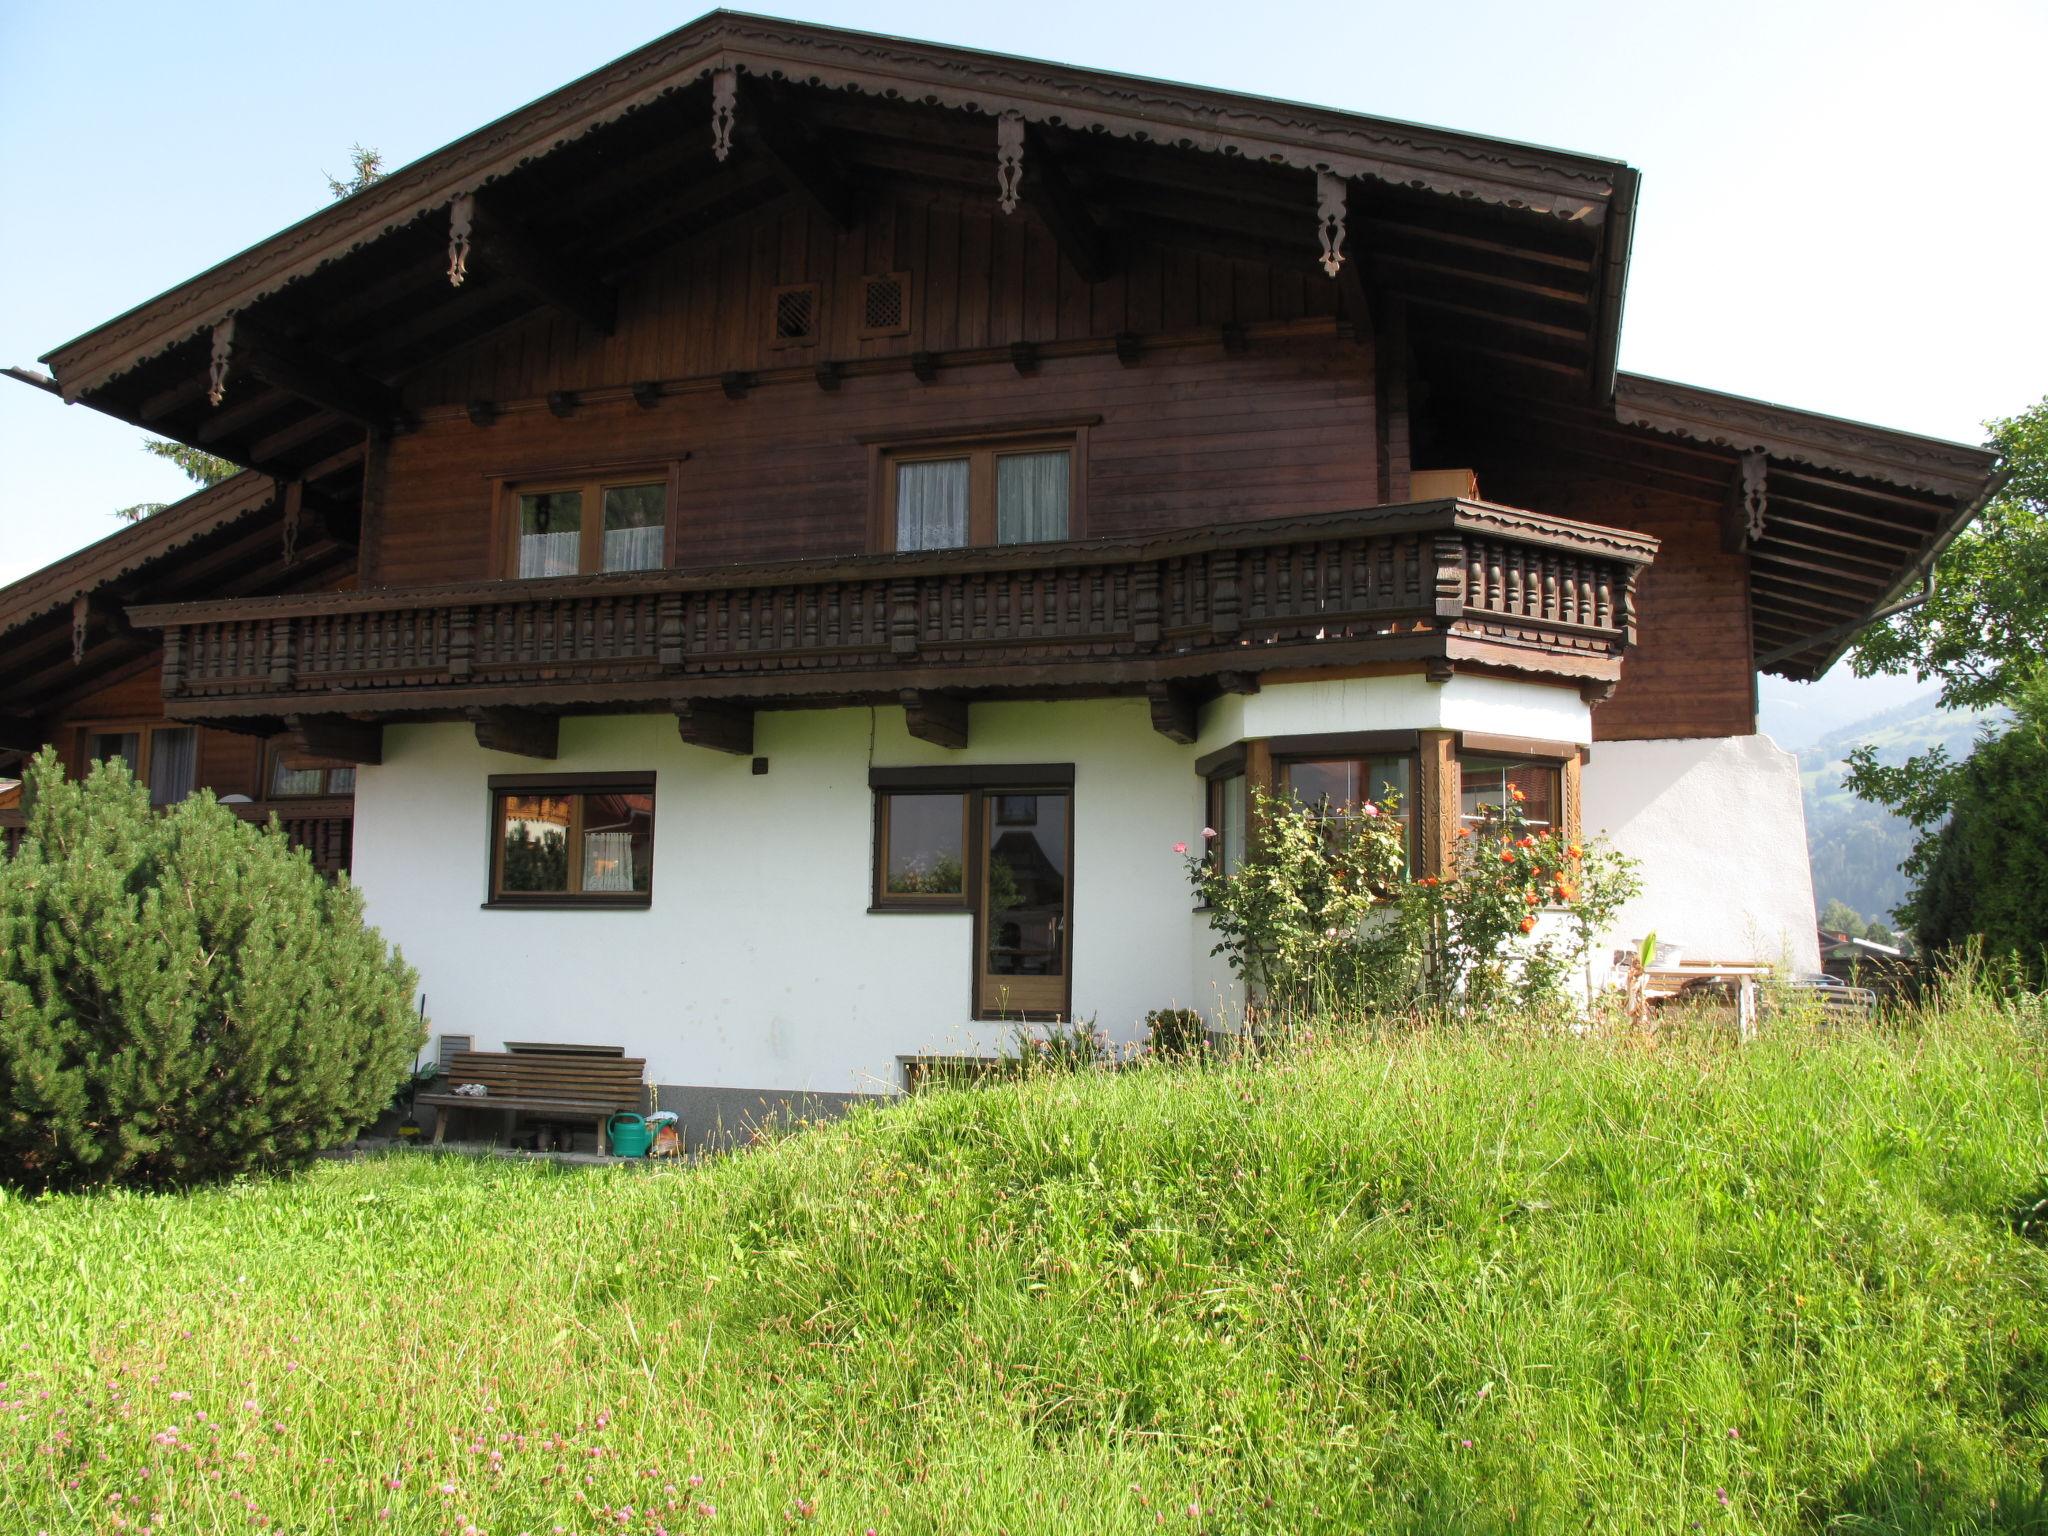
(572, 1085)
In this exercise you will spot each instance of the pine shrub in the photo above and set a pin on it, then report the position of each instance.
(182, 996)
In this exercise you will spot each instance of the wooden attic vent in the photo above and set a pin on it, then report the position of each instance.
(793, 318)
(885, 304)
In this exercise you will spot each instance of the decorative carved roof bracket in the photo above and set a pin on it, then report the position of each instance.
(239, 342)
(525, 732)
(719, 726)
(1009, 159)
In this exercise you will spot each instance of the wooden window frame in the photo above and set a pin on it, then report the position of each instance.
(274, 753)
(573, 786)
(591, 481)
(881, 898)
(979, 785)
(981, 449)
(1556, 759)
(868, 332)
(1286, 751)
(775, 338)
(145, 732)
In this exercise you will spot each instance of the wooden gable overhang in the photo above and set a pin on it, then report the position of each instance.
(1512, 256)
(1837, 520)
(64, 629)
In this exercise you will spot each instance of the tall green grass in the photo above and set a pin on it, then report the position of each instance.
(1426, 1282)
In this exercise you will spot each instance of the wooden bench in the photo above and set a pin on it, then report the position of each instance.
(573, 1085)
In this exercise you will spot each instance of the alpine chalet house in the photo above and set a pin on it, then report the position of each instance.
(831, 513)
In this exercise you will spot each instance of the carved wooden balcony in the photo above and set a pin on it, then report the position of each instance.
(325, 828)
(1447, 585)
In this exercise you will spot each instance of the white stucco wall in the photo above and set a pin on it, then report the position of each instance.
(1720, 831)
(758, 964)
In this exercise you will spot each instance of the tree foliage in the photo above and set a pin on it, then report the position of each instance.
(1839, 917)
(365, 168)
(200, 467)
(182, 996)
(1983, 635)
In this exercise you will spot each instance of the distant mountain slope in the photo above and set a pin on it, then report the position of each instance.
(1856, 848)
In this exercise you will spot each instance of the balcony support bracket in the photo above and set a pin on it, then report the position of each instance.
(336, 737)
(719, 726)
(521, 731)
(939, 718)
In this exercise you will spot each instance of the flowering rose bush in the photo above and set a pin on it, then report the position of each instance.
(1321, 914)
(1293, 916)
(1480, 926)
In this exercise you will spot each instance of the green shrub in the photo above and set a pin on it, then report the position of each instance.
(182, 997)
(1176, 1033)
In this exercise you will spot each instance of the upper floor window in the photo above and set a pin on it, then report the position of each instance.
(955, 496)
(165, 757)
(580, 526)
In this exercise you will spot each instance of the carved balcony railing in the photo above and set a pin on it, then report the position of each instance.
(1443, 584)
(324, 828)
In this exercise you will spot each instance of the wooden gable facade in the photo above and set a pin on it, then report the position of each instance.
(1289, 349)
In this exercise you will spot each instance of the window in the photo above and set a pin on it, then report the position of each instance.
(318, 782)
(165, 757)
(1226, 807)
(793, 315)
(577, 528)
(1336, 787)
(1019, 492)
(1485, 784)
(885, 304)
(586, 841)
(922, 839)
(996, 843)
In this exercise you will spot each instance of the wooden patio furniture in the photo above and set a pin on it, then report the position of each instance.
(571, 1085)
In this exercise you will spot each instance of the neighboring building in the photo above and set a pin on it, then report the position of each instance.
(834, 511)
(1863, 961)
(79, 677)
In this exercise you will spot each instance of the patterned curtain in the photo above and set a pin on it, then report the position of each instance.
(1031, 497)
(549, 554)
(931, 504)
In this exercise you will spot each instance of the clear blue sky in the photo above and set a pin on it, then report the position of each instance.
(1841, 206)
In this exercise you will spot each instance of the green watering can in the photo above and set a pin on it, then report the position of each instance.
(630, 1135)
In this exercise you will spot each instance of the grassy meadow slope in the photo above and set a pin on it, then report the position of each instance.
(1451, 1282)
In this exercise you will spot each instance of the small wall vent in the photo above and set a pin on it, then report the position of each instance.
(793, 316)
(885, 304)
(448, 1047)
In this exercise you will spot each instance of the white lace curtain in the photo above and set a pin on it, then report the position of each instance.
(931, 504)
(1031, 497)
(632, 549)
(549, 554)
(607, 861)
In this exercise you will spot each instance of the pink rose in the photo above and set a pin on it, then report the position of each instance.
(1368, 809)
(1208, 832)
(1180, 847)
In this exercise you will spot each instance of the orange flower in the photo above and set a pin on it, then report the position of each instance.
(1528, 925)
(1507, 856)
(1576, 851)
(1464, 831)
(1516, 793)
(1427, 880)
(1563, 892)
(1525, 842)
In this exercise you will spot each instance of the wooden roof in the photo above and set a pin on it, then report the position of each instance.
(64, 628)
(1505, 265)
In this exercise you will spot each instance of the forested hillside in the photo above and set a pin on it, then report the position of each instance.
(1856, 847)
